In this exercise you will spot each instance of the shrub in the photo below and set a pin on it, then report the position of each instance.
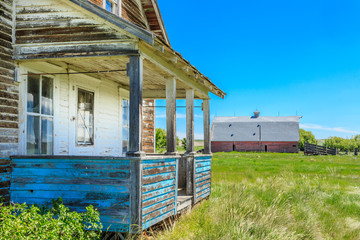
(20, 221)
(306, 136)
(160, 137)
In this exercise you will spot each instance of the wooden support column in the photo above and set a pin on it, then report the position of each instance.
(190, 121)
(171, 116)
(207, 141)
(135, 73)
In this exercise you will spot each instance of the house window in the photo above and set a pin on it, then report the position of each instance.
(39, 119)
(125, 126)
(112, 5)
(85, 118)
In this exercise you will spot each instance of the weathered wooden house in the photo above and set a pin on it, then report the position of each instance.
(78, 80)
(256, 133)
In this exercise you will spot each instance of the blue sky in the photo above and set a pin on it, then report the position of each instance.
(280, 57)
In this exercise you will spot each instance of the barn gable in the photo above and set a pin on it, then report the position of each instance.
(247, 129)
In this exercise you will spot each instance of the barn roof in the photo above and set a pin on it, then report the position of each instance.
(272, 129)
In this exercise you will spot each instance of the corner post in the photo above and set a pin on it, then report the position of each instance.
(206, 111)
(190, 121)
(135, 73)
(171, 116)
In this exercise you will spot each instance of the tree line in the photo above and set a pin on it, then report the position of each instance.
(342, 144)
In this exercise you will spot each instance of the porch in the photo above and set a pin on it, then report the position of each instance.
(131, 193)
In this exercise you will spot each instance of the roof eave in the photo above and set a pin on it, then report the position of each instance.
(137, 31)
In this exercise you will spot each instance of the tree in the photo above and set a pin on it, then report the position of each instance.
(183, 143)
(306, 136)
(160, 137)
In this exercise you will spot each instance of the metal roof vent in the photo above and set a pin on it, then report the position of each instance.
(256, 114)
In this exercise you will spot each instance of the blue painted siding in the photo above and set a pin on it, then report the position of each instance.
(159, 190)
(202, 177)
(80, 182)
(5, 175)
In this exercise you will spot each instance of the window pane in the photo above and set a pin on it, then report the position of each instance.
(47, 96)
(125, 113)
(108, 6)
(32, 132)
(46, 136)
(33, 93)
(125, 133)
(85, 118)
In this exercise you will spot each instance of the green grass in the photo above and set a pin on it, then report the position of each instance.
(276, 196)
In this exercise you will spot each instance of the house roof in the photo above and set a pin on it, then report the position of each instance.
(271, 129)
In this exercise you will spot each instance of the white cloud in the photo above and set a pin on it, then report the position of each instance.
(333, 129)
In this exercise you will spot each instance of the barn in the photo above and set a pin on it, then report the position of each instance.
(255, 133)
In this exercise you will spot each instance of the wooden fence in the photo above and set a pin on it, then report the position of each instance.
(313, 149)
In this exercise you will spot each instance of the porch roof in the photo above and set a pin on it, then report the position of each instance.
(107, 57)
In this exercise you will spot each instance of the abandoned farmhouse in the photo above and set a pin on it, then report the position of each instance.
(78, 80)
(256, 133)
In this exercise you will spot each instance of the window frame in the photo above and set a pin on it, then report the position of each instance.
(115, 6)
(125, 126)
(40, 115)
(77, 120)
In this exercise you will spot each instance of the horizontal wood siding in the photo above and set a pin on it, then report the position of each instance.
(5, 174)
(132, 11)
(202, 177)
(53, 22)
(9, 91)
(159, 190)
(80, 183)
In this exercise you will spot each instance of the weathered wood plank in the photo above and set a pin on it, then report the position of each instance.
(152, 171)
(159, 198)
(158, 178)
(149, 222)
(157, 192)
(202, 182)
(159, 212)
(71, 173)
(158, 163)
(158, 185)
(171, 115)
(158, 206)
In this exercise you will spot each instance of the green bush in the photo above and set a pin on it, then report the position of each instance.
(160, 137)
(306, 136)
(343, 144)
(20, 221)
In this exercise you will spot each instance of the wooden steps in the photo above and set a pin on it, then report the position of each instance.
(184, 202)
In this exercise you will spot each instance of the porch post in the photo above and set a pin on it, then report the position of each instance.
(190, 121)
(135, 73)
(171, 116)
(207, 142)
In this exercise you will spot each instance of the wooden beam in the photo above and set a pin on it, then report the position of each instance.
(135, 195)
(190, 121)
(135, 73)
(75, 50)
(173, 70)
(171, 116)
(161, 94)
(207, 140)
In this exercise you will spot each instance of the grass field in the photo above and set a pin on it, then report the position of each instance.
(276, 196)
